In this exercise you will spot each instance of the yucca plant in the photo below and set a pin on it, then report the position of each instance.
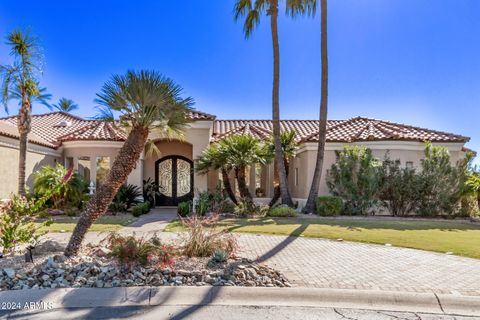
(146, 101)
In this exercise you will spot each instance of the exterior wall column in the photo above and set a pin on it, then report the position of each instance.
(93, 170)
(251, 186)
(269, 185)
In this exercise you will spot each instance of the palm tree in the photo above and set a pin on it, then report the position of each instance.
(215, 158)
(65, 105)
(289, 147)
(322, 130)
(243, 151)
(252, 10)
(146, 101)
(19, 82)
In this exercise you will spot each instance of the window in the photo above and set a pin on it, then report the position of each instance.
(409, 164)
(84, 167)
(296, 176)
(103, 168)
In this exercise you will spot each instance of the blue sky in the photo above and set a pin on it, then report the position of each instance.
(410, 61)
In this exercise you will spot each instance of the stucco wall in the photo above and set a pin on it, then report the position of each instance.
(37, 157)
(404, 151)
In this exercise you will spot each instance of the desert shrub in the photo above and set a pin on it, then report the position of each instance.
(282, 211)
(140, 209)
(17, 216)
(150, 190)
(469, 206)
(354, 177)
(329, 206)
(184, 209)
(399, 191)
(246, 208)
(441, 184)
(127, 195)
(132, 251)
(69, 195)
(227, 207)
(202, 238)
(202, 203)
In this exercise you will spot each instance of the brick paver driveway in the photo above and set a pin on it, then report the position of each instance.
(350, 265)
(333, 264)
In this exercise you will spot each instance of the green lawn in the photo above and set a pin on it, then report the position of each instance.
(105, 223)
(440, 236)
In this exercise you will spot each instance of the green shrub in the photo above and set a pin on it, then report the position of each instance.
(354, 177)
(227, 207)
(442, 184)
(203, 203)
(69, 195)
(140, 209)
(329, 206)
(184, 209)
(127, 195)
(247, 208)
(400, 187)
(150, 191)
(282, 211)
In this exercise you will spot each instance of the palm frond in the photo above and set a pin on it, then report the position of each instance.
(295, 8)
(151, 150)
(65, 105)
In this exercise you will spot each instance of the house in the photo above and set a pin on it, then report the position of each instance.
(90, 146)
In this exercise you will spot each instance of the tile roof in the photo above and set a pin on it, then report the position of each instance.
(54, 128)
(352, 130)
(199, 115)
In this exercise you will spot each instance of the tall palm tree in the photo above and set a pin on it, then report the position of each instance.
(289, 147)
(252, 10)
(20, 82)
(215, 158)
(65, 105)
(147, 101)
(322, 130)
(243, 151)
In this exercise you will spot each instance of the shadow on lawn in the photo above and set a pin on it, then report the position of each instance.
(353, 224)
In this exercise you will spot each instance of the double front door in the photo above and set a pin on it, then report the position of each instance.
(174, 176)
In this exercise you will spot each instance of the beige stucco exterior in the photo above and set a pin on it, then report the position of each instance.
(37, 157)
(196, 138)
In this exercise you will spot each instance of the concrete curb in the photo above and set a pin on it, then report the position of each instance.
(297, 297)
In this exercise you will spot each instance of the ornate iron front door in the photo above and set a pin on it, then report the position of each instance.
(174, 176)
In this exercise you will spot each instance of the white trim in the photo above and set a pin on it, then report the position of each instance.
(381, 145)
(93, 144)
(31, 147)
(201, 124)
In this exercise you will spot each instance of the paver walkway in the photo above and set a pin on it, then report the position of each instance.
(333, 264)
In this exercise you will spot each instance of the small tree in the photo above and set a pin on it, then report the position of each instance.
(355, 178)
(441, 183)
(399, 187)
(243, 151)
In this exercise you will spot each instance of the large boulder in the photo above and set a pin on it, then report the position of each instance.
(48, 246)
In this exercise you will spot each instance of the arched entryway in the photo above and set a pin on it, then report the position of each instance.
(174, 176)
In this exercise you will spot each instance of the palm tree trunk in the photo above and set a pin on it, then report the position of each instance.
(322, 130)
(228, 186)
(123, 165)
(276, 190)
(24, 127)
(273, 12)
(242, 184)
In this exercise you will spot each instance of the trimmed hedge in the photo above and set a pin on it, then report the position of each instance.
(183, 209)
(141, 208)
(329, 206)
(282, 211)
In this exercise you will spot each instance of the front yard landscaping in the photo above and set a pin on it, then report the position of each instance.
(459, 237)
(104, 223)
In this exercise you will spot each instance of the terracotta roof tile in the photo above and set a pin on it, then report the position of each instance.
(198, 115)
(355, 129)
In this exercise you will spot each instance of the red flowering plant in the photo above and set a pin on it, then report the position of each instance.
(131, 251)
